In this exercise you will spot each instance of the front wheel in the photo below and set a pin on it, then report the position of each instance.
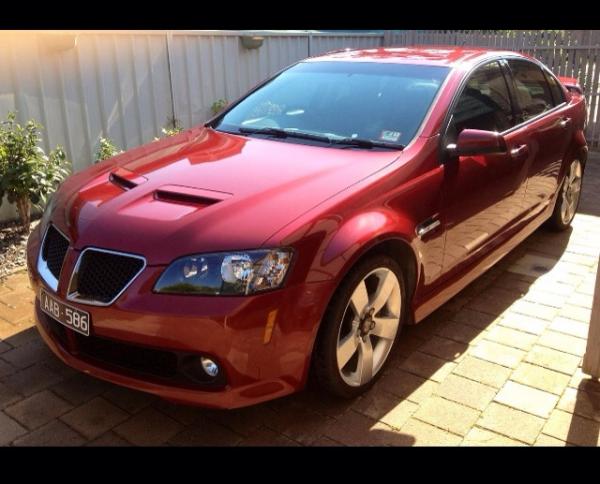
(568, 198)
(360, 326)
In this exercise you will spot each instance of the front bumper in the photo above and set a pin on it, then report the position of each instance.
(231, 330)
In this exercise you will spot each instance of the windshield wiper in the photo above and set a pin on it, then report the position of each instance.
(284, 133)
(367, 143)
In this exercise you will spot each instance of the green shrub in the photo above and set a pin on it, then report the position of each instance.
(27, 174)
(218, 106)
(106, 150)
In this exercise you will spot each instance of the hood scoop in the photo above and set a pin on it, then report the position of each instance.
(197, 197)
(126, 179)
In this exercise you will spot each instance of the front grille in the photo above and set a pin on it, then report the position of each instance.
(100, 276)
(54, 250)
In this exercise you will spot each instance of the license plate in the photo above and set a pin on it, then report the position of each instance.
(66, 315)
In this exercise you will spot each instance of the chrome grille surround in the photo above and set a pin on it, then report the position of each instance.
(42, 266)
(72, 293)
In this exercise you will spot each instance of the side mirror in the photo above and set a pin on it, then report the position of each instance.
(477, 142)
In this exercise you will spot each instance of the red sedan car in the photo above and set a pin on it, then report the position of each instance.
(296, 233)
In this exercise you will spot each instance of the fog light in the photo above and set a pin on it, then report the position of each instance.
(210, 367)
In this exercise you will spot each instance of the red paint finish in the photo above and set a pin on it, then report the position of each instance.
(330, 205)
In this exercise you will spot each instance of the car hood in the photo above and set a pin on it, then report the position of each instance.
(203, 191)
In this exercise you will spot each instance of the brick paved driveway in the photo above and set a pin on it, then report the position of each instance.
(499, 364)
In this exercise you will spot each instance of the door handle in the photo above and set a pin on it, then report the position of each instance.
(519, 152)
(565, 123)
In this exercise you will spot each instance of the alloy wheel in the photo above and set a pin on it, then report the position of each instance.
(369, 326)
(571, 192)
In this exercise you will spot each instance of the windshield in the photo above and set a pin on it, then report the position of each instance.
(343, 101)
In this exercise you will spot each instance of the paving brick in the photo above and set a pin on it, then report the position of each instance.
(149, 427)
(406, 385)
(353, 428)
(573, 429)
(326, 442)
(475, 318)
(583, 403)
(447, 415)
(8, 396)
(482, 437)
(299, 422)
(206, 433)
(462, 333)
(563, 342)
(17, 298)
(428, 367)
(546, 441)
(385, 408)
(10, 429)
(540, 378)
(581, 300)
(28, 354)
(466, 392)
(511, 423)
(541, 296)
(483, 371)
(94, 418)
(109, 439)
(265, 437)
(498, 353)
(527, 399)
(540, 311)
(422, 434)
(129, 400)
(54, 433)
(511, 337)
(577, 313)
(444, 348)
(6, 368)
(4, 347)
(80, 388)
(38, 409)
(553, 359)
(16, 314)
(570, 327)
(32, 379)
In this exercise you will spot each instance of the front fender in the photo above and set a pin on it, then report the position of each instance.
(361, 233)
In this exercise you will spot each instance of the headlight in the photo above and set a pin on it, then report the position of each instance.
(230, 273)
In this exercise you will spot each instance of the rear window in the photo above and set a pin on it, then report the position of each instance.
(367, 100)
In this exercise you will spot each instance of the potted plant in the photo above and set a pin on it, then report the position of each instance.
(27, 174)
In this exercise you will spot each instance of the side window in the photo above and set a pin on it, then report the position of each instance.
(555, 89)
(484, 103)
(532, 90)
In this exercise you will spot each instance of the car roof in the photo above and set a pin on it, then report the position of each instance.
(451, 56)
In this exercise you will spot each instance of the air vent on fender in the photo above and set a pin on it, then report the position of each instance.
(126, 179)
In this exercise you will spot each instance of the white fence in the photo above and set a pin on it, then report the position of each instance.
(127, 85)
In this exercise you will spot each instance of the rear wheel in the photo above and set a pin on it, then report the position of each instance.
(568, 198)
(360, 326)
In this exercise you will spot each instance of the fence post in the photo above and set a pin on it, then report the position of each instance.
(591, 360)
(387, 38)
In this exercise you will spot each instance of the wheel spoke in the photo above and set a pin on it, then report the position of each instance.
(384, 289)
(346, 349)
(385, 327)
(359, 299)
(365, 361)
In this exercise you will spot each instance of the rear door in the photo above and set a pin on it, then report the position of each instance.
(544, 121)
(483, 194)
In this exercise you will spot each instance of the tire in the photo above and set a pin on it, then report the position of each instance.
(341, 324)
(568, 198)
